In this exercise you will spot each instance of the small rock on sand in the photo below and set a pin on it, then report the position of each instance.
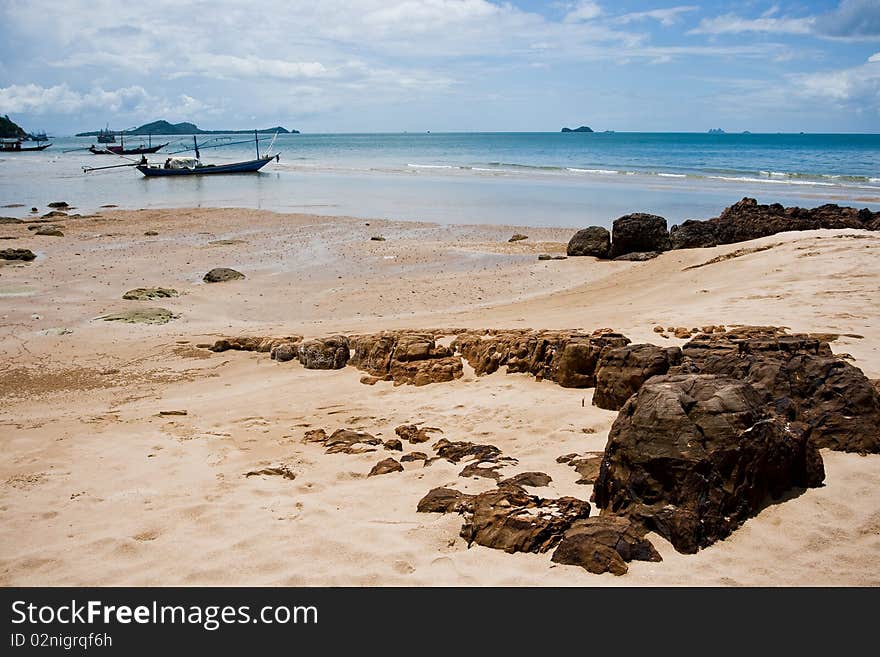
(17, 254)
(518, 237)
(59, 204)
(148, 293)
(222, 274)
(547, 256)
(142, 316)
(9, 220)
(150, 233)
(175, 412)
(377, 238)
(51, 231)
(385, 466)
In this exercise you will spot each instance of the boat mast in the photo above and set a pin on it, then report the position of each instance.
(196, 147)
(257, 142)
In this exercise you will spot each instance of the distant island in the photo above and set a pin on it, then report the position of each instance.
(583, 128)
(716, 131)
(10, 130)
(165, 128)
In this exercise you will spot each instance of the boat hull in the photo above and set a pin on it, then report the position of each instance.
(119, 150)
(25, 149)
(211, 169)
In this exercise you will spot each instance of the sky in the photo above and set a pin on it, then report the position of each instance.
(443, 65)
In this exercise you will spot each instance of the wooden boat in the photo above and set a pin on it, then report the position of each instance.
(39, 136)
(122, 150)
(190, 166)
(105, 136)
(15, 146)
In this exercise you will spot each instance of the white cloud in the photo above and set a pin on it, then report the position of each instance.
(875, 57)
(732, 24)
(224, 67)
(63, 100)
(667, 17)
(585, 10)
(857, 87)
(853, 19)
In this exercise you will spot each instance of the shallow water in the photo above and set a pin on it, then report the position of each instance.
(518, 178)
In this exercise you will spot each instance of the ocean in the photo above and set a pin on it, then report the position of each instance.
(537, 179)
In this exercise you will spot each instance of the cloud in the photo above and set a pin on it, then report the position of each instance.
(61, 99)
(225, 67)
(666, 17)
(858, 87)
(875, 57)
(733, 24)
(852, 19)
(585, 10)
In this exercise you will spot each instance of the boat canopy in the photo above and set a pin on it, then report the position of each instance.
(181, 163)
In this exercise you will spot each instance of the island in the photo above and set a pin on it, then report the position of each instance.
(11, 130)
(716, 131)
(165, 128)
(583, 128)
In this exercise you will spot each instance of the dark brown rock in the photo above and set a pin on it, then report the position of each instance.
(284, 352)
(274, 471)
(424, 372)
(445, 500)
(518, 237)
(623, 370)
(693, 456)
(260, 344)
(639, 233)
(405, 357)
(385, 466)
(639, 256)
(413, 456)
(533, 479)
(587, 466)
(59, 204)
(593, 241)
(17, 254)
(315, 436)
(604, 544)
(474, 469)
(458, 450)
(330, 353)
(414, 434)
(393, 444)
(49, 231)
(221, 275)
(347, 441)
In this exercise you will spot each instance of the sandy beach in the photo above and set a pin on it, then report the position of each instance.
(98, 488)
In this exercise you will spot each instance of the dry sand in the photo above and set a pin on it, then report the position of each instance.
(96, 488)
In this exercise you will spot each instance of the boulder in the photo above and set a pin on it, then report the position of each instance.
(405, 357)
(638, 233)
(415, 434)
(458, 450)
(518, 237)
(59, 204)
(623, 370)
(221, 275)
(149, 293)
(445, 500)
(385, 466)
(330, 353)
(346, 441)
(510, 519)
(593, 241)
(587, 466)
(413, 456)
(691, 234)
(533, 479)
(798, 377)
(17, 254)
(393, 444)
(605, 544)
(284, 352)
(475, 469)
(693, 456)
(423, 372)
(49, 231)
(260, 344)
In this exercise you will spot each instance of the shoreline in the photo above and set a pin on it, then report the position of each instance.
(99, 489)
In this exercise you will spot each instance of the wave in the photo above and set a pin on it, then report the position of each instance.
(598, 171)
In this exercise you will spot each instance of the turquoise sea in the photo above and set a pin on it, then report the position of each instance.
(564, 179)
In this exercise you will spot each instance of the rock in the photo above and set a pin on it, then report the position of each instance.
(260, 344)
(547, 256)
(456, 451)
(377, 238)
(149, 293)
(593, 241)
(58, 204)
(226, 242)
(385, 466)
(681, 332)
(50, 231)
(587, 466)
(621, 371)
(638, 257)
(748, 220)
(370, 380)
(445, 500)
(413, 434)
(658, 329)
(315, 436)
(798, 377)
(35, 209)
(53, 214)
(222, 274)
(693, 456)
(604, 544)
(423, 372)
(405, 357)
(17, 254)
(284, 352)
(9, 220)
(518, 237)
(413, 456)
(330, 353)
(638, 233)
(510, 519)
(476, 470)
(176, 412)
(393, 444)
(346, 441)
(533, 479)
(142, 316)
(150, 233)
(274, 471)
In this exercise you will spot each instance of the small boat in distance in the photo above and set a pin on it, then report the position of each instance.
(39, 136)
(143, 149)
(14, 146)
(106, 136)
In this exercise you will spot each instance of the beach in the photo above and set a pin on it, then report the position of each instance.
(99, 487)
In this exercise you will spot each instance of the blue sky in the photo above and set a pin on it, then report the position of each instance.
(394, 65)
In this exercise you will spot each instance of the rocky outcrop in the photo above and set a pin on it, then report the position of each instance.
(593, 241)
(405, 357)
(284, 352)
(693, 456)
(748, 220)
(639, 233)
(622, 371)
(566, 357)
(149, 293)
(532, 479)
(260, 344)
(587, 466)
(17, 254)
(605, 544)
(49, 231)
(798, 377)
(414, 434)
(639, 256)
(142, 316)
(455, 451)
(346, 441)
(221, 275)
(330, 353)
(445, 500)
